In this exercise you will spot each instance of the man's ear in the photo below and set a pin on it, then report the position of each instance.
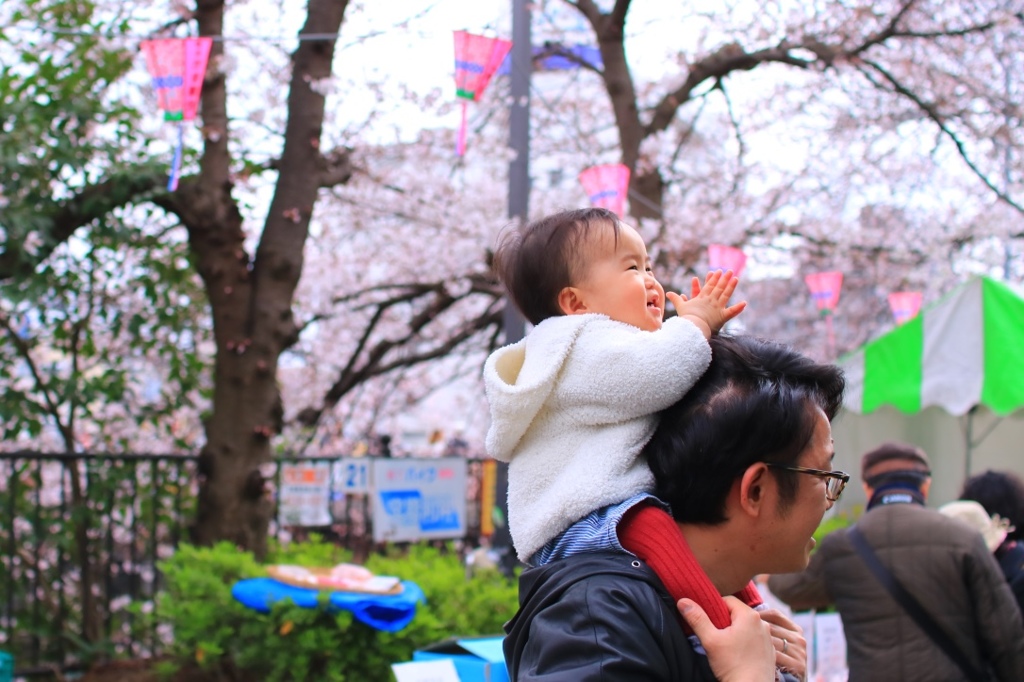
(570, 301)
(752, 488)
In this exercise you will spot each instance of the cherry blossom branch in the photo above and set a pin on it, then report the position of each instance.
(939, 119)
(371, 360)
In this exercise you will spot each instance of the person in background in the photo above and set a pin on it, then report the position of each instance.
(1001, 493)
(744, 462)
(942, 563)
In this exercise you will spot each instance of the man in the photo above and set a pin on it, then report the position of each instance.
(941, 562)
(744, 462)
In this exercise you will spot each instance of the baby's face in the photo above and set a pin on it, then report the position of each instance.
(617, 280)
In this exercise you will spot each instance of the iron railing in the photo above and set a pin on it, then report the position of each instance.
(81, 538)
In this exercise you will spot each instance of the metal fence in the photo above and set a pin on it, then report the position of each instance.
(81, 538)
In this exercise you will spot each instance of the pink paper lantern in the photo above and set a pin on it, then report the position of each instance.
(825, 287)
(721, 257)
(905, 305)
(607, 186)
(477, 58)
(178, 67)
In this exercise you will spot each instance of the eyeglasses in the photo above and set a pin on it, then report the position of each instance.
(835, 481)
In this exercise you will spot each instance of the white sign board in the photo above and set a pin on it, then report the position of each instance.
(304, 494)
(417, 499)
(441, 670)
(806, 622)
(352, 475)
(829, 648)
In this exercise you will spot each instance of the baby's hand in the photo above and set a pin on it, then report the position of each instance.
(743, 651)
(708, 306)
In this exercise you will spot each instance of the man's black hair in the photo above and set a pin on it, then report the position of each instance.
(755, 403)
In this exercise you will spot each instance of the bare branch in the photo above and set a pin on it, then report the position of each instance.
(716, 66)
(932, 112)
(90, 204)
(733, 57)
(741, 145)
(336, 168)
(23, 349)
(552, 49)
(367, 361)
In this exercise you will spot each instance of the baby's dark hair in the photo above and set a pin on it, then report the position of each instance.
(537, 261)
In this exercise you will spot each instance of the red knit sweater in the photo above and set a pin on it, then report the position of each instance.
(653, 536)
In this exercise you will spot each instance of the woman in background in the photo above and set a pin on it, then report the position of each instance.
(1002, 493)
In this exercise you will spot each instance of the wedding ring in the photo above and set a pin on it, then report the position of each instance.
(785, 644)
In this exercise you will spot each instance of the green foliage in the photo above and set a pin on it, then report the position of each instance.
(217, 634)
(54, 98)
(98, 324)
(837, 521)
(126, 510)
(71, 357)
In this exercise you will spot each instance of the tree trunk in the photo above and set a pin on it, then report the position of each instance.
(645, 187)
(251, 298)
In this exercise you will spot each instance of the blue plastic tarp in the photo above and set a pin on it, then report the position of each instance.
(386, 612)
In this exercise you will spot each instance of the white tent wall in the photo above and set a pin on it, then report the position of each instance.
(940, 435)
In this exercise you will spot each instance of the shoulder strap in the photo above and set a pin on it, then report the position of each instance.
(913, 607)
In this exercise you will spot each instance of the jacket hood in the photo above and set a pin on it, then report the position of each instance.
(517, 386)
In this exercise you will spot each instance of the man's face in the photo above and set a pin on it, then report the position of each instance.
(792, 525)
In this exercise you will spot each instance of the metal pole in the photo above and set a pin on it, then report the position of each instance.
(518, 210)
(519, 119)
(969, 441)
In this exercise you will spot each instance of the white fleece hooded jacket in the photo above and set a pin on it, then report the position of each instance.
(572, 405)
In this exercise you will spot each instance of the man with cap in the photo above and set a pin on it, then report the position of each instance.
(941, 563)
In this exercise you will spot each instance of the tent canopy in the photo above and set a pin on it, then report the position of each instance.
(965, 350)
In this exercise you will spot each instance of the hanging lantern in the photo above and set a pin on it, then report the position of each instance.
(905, 305)
(607, 186)
(825, 288)
(721, 257)
(477, 58)
(178, 67)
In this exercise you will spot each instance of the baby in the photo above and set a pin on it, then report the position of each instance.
(573, 403)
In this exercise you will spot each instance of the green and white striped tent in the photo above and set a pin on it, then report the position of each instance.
(964, 351)
(950, 381)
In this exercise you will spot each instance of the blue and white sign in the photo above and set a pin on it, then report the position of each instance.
(352, 475)
(418, 499)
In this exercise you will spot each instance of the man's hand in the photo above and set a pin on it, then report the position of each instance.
(743, 651)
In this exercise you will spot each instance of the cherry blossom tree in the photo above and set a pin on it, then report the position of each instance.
(893, 127)
(344, 269)
(875, 139)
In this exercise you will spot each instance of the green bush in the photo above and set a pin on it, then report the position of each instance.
(215, 634)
